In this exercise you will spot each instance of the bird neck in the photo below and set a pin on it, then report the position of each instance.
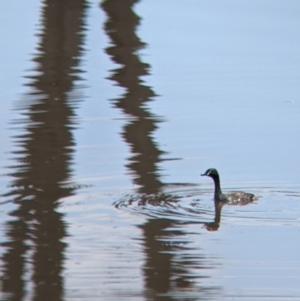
(218, 190)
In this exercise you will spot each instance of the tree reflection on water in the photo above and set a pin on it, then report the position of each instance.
(169, 260)
(41, 174)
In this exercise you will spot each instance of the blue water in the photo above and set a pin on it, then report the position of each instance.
(109, 114)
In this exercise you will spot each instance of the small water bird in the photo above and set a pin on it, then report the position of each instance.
(232, 198)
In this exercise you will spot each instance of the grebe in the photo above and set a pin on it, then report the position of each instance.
(232, 198)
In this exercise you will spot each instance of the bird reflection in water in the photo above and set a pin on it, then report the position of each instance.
(214, 226)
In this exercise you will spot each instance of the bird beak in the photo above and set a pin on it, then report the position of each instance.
(203, 174)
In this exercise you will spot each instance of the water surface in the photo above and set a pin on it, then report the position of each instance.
(110, 113)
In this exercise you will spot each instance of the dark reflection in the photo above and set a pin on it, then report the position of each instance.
(120, 26)
(214, 226)
(173, 268)
(34, 244)
(164, 272)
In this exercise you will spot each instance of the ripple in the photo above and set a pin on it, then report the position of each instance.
(185, 204)
(193, 204)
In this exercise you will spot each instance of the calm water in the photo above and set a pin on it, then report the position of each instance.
(109, 113)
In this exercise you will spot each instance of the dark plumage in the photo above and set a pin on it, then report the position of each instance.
(232, 198)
